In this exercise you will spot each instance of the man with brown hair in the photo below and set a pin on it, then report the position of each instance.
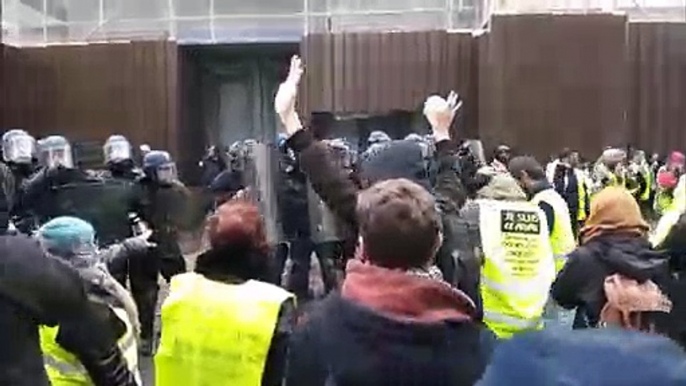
(399, 223)
(394, 321)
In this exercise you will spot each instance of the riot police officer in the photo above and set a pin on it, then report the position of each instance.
(164, 200)
(119, 159)
(60, 189)
(19, 156)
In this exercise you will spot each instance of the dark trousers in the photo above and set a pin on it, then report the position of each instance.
(142, 273)
(300, 250)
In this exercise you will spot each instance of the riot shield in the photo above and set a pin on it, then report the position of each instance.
(260, 176)
(324, 225)
(476, 148)
(104, 203)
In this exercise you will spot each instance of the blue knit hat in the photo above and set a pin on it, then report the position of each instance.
(593, 357)
(67, 236)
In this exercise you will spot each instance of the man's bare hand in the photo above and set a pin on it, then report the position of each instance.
(440, 114)
(284, 103)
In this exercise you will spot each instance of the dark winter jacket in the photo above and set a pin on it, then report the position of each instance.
(293, 204)
(580, 283)
(38, 290)
(389, 327)
(674, 246)
(236, 269)
(566, 184)
(402, 159)
(165, 209)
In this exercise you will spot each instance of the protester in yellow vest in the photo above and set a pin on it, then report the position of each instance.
(609, 170)
(223, 325)
(72, 240)
(518, 266)
(568, 181)
(531, 177)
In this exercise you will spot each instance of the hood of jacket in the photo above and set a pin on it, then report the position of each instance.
(630, 256)
(405, 296)
(397, 159)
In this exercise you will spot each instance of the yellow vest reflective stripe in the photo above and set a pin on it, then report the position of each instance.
(667, 221)
(65, 369)
(663, 200)
(518, 267)
(582, 191)
(562, 238)
(215, 333)
(648, 177)
(679, 201)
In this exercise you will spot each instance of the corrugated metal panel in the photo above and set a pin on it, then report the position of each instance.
(89, 92)
(658, 82)
(551, 81)
(375, 73)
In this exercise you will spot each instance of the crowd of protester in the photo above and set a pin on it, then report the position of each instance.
(455, 271)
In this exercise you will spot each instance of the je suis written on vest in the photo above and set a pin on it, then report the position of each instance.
(519, 231)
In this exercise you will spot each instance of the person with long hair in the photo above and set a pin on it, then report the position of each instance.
(613, 241)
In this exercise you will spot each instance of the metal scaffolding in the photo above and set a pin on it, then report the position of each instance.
(44, 22)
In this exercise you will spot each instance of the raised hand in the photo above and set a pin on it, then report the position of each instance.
(441, 112)
(284, 102)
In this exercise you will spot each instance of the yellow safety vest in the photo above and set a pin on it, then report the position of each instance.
(663, 200)
(582, 191)
(65, 369)
(679, 201)
(562, 238)
(664, 226)
(648, 177)
(215, 333)
(518, 268)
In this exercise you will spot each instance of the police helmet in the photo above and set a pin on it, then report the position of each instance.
(378, 137)
(116, 149)
(18, 147)
(55, 151)
(159, 166)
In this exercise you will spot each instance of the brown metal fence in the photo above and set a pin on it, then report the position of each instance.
(538, 82)
(550, 81)
(89, 92)
(375, 73)
(656, 111)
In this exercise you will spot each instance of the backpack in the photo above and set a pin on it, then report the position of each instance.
(629, 303)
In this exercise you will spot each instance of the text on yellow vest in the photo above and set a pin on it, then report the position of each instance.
(518, 267)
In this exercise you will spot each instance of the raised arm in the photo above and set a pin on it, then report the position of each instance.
(330, 181)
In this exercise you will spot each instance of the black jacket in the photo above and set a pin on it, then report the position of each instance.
(580, 283)
(339, 191)
(37, 290)
(343, 343)
(240, 267)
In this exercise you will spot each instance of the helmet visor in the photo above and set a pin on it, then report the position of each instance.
(57, 156)
(167, 173)
(116, 151)
(19, 149)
